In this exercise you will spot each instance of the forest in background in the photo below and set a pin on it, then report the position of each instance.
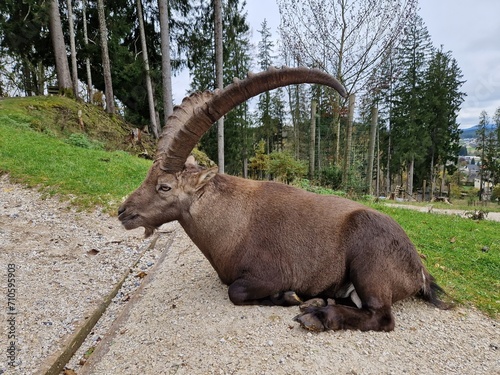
(405, 92)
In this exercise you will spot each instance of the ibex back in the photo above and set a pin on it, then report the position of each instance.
(276, 244)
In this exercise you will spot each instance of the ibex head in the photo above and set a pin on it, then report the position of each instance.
(170, 187)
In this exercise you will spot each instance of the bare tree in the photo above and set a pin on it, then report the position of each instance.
(166, 68)
(219, 79)
(149, 86)
(62, 66)
(74, 67)
(354, 33)
(108, 83)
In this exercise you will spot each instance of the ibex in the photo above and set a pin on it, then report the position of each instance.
(272, 243)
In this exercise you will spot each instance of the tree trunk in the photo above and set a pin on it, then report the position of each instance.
(443, 184)
(74, 67)
(348, 144)
(371, 150)
(431, 194)
(312, 139)
(411, 170)
(166, 68)
(149, 86)
(87, 60)
(295, 119)
(108, 83)
(219, 79)
(62, 66)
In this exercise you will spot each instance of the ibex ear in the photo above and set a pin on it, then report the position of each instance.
(190, 161)
(205, 176)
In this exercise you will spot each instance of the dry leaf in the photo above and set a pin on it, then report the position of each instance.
(93, 252)
(141, 275)
(453, 240)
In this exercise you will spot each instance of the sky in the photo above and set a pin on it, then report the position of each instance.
(468, 28)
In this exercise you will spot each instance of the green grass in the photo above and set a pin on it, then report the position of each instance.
(453, 247)
(462, 254)
(88, 177)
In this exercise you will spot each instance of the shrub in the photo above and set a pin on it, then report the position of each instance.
(495, 194)
(284, 167)
(330, 177)
(81, 140)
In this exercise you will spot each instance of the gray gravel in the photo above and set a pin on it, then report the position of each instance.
(59, 281)
(182, 321)
(185, 324)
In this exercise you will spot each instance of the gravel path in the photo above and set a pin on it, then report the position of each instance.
(65, 261)
(182, 321)
(494, 216)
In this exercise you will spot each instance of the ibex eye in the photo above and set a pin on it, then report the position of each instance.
(164, 188)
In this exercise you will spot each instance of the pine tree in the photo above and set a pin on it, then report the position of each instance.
(106, 61)
(488, 145)
(441, 102)
(199, 44)
(265, 60)
(481, 135)
(408, 139)
(56, 32)
(25, 45)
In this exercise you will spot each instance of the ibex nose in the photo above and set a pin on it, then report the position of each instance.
(121, 210)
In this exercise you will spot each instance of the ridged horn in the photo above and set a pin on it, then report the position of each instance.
(200, 110)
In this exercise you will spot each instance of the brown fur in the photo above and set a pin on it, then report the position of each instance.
(265, 239)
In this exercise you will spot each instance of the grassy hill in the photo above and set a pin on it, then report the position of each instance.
(42, 144)
(60, 117)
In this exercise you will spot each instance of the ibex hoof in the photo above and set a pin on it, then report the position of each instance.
(288, 298)
(314, 302)
(292, 298)
(310, 321)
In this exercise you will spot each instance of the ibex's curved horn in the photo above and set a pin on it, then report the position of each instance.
(199, 111)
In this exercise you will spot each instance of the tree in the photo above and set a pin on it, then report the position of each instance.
(410, 142)
(74, 69)
(346, 38)
(441, 102)
(265, 60)
(61, 58)
(149, 88)
(201, 63)
(87, 59)
(26, 49)
(108, 82)
(481, 134)
(489, 145)
(166, 68)
(219, 77)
